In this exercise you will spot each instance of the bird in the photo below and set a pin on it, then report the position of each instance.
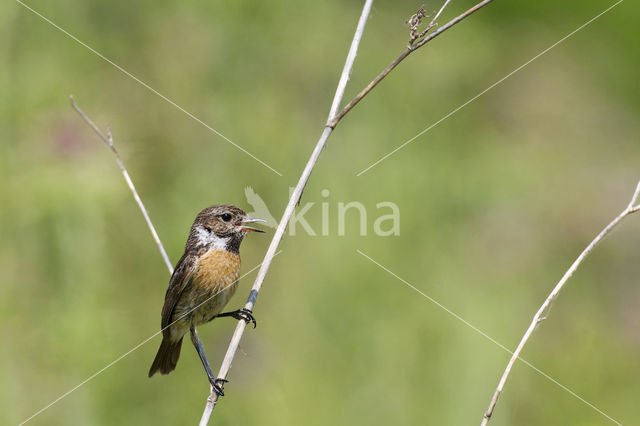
(203, 281)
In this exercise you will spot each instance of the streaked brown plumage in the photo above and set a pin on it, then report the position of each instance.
(202, 283)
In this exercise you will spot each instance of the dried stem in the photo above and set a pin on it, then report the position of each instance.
(333, 123)
(108, 141)
(333, 119)
(295, 196)
(415, 21)
(632, 207)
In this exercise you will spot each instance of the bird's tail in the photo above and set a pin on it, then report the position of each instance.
(167, 357)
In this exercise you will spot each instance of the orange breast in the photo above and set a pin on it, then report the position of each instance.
(214, 282)
(217, 269)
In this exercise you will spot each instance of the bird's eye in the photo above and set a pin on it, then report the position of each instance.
(226, 217)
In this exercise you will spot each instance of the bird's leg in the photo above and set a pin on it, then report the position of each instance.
(240, 314)
(216, 384)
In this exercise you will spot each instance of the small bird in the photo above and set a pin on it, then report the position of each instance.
(202, 283)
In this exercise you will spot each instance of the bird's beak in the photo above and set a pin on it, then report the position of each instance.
(251, 228)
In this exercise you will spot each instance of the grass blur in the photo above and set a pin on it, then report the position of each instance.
(495, 202)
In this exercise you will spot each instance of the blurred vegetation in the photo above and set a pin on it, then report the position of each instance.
(495, 203)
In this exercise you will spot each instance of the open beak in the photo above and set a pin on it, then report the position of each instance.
(251, 228)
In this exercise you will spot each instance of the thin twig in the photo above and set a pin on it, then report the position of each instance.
(433, 21)
(400, 58)
(415, 21)
(632, 207)
(108, 141)
(295, 196)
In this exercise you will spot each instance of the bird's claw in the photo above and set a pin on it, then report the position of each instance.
(217, 386)
(240, 314)
(246, 315)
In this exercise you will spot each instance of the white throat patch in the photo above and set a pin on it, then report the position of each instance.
(211, 240)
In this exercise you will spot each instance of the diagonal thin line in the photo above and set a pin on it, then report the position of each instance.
(147, 86)
(88, 379)
(487, 89)
(485, 335)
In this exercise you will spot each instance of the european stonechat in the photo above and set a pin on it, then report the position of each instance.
(202, 283)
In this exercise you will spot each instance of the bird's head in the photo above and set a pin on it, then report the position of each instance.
(221, 226)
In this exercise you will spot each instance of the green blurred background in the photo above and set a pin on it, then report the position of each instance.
(495, 202)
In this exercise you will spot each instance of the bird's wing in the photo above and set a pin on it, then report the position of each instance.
(179, 280)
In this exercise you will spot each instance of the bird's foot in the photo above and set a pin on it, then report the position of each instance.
(241, 314)
(217, 386)
(246, 315)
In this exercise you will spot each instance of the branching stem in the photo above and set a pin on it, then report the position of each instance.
(369, 87)
(540, 316)
(332, 121)
(108, 141)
